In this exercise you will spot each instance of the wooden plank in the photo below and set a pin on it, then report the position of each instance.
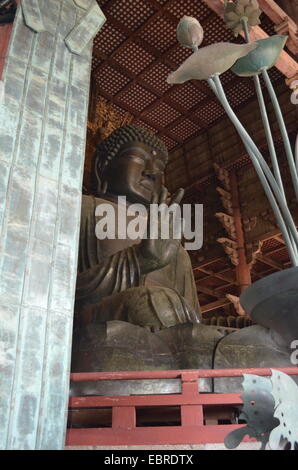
(156, 400)
(174, 374)
(124, 417)
(285, 64)
(192, 415)
(150, 435)
(214, 305)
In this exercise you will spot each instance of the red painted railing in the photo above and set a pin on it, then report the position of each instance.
(192, 430)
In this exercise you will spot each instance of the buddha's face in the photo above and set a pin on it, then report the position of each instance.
(136, 172)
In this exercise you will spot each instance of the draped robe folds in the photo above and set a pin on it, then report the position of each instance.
(110, 285)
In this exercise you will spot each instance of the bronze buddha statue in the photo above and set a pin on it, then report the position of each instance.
(114, 275)
(136, 300)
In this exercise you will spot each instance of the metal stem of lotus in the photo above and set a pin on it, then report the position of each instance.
(256, 154)
(265, 118)
(262, 169)
(266, 124)
(283, 131)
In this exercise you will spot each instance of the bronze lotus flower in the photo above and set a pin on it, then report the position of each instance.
(236, 12)
(190, 32)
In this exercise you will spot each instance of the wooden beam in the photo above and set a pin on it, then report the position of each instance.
(262, 274)
(279, 239)
(275, 250)
(278, 16)
(205, 290)
(285, 64)
(220, 276)
(210, 261)
(215, 305)
(243, 269)
(270, 262)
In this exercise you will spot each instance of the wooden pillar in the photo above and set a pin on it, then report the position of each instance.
(5, 32)
(42, 148)
(242, 269)
(191, 415)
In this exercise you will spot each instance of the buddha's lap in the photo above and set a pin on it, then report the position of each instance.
(153, 306)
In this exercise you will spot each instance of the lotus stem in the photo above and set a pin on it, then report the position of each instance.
(262, 169)
(267, 128)
(257, 154)
(270, 142)
(265, 118)
(269, 136)
(283, 130)
(244, 22)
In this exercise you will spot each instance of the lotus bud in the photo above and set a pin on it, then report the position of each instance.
(237, 11)
(190, 32)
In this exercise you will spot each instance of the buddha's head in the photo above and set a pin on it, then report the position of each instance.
(130, 162)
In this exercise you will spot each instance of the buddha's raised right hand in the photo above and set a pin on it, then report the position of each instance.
(158, 251)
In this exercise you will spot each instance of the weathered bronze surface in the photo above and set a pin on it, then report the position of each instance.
(137, 306)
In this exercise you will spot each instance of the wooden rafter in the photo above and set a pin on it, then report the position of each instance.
(207, 291)
(215, 305)
(269, 262)
(279, 16)
(217, 275)
(285, 64)
(280, 239)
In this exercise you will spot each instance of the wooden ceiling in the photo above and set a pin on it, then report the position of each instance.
(137, 49)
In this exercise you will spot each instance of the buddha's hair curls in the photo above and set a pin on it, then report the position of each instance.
(109, 147)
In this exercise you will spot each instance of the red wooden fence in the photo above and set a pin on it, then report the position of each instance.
(192, 430)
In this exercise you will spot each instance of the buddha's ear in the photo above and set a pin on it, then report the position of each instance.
(104, 187)
(101, 183)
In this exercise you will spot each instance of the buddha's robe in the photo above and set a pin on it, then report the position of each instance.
(111, 287)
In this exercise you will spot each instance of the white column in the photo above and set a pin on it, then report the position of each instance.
(42, 147)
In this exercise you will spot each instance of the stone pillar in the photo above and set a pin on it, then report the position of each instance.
(42, 147)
